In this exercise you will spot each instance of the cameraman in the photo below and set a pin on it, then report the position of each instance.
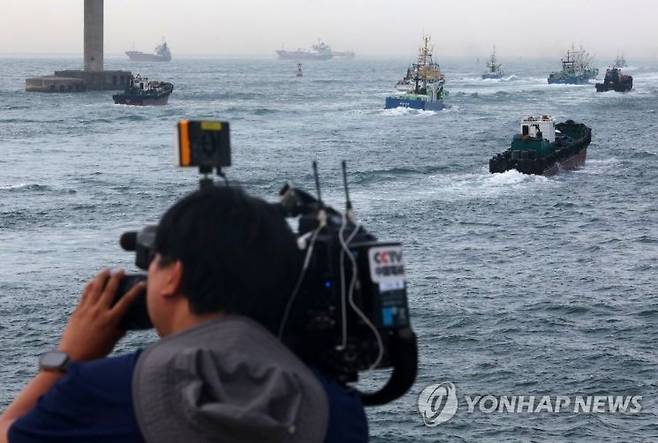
(223, 269)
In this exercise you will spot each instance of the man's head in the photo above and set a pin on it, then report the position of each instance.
(219, 250)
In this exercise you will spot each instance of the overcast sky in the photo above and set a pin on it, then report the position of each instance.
(374, 27)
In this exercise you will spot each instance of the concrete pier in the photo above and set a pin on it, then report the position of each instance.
(93, 77)
(53, 83)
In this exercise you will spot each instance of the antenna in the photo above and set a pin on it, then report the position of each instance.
(317, 180)
(348, 202)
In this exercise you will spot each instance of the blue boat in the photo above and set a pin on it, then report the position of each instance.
(423, 86)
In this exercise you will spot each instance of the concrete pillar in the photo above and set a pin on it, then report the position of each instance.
(93, 35)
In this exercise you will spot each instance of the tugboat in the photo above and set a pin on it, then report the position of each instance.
(161, 54)
(576, 69)
(423, 84)
(615, 81)
(543, 148)
(494, 69)
(142, 92)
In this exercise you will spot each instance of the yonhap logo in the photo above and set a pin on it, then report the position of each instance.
(438, 403)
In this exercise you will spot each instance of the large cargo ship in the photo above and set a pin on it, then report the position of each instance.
(576, 69)
(422, 86)
(543, 147)
(319, 51)
(160, 54)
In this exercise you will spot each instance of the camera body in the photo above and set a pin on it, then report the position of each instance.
(352, 296)
(349, 310)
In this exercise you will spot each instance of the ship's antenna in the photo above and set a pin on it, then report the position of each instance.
(348, 202)
(317, 181)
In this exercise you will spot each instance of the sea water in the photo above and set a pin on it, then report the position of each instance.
(518, 285)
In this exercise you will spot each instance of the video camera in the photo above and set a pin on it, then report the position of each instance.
(348, 312)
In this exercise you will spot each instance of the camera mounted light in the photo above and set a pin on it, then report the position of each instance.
(205, 144)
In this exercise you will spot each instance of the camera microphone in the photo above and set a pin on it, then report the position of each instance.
(128, 241)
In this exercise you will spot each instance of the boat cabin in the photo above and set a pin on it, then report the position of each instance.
(539, 127)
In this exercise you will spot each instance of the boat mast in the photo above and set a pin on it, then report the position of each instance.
(422, 67)
(569, 62)
(493, 67)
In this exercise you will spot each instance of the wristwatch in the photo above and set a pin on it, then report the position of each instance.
(54, 361)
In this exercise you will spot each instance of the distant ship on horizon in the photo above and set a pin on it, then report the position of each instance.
(319, 51)
(494, 69)
(160, 54)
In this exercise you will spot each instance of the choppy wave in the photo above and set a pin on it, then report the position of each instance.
(517, 284)
(34, 187)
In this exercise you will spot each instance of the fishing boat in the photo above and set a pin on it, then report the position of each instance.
(615, 81)
(423, 85)
(144, 92)
(494, 69)
(544, 148)
(407, 82)
(161, 53)
(300, 73)
(576, 68)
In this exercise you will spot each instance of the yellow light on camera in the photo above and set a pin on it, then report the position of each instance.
(211, 126)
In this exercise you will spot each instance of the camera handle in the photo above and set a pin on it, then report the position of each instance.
(206, 181)
(404, 359)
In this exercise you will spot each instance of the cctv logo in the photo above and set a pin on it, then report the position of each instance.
(438, 403)
(388, 256)
(386, 265)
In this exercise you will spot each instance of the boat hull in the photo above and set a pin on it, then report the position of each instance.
(621, 86)
(571, 163)
(122, 99)
(137, 56)
(576, 80)
(403, 102)
(492, 76)
(570, 157)
(302, 55)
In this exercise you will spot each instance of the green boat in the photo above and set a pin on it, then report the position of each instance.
(544, 148)
(576, 69)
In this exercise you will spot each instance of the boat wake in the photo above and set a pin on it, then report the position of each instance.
(453, 187)
(35, 188)
(400, 111)
(599, 167)
(486, 185)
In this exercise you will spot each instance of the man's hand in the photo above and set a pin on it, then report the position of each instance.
(92, 331)
(94, 327)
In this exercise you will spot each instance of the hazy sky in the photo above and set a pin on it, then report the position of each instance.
(375, 27)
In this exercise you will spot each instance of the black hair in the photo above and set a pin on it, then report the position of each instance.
(239, 254)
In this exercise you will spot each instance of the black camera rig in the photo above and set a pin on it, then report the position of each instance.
(348, 312)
